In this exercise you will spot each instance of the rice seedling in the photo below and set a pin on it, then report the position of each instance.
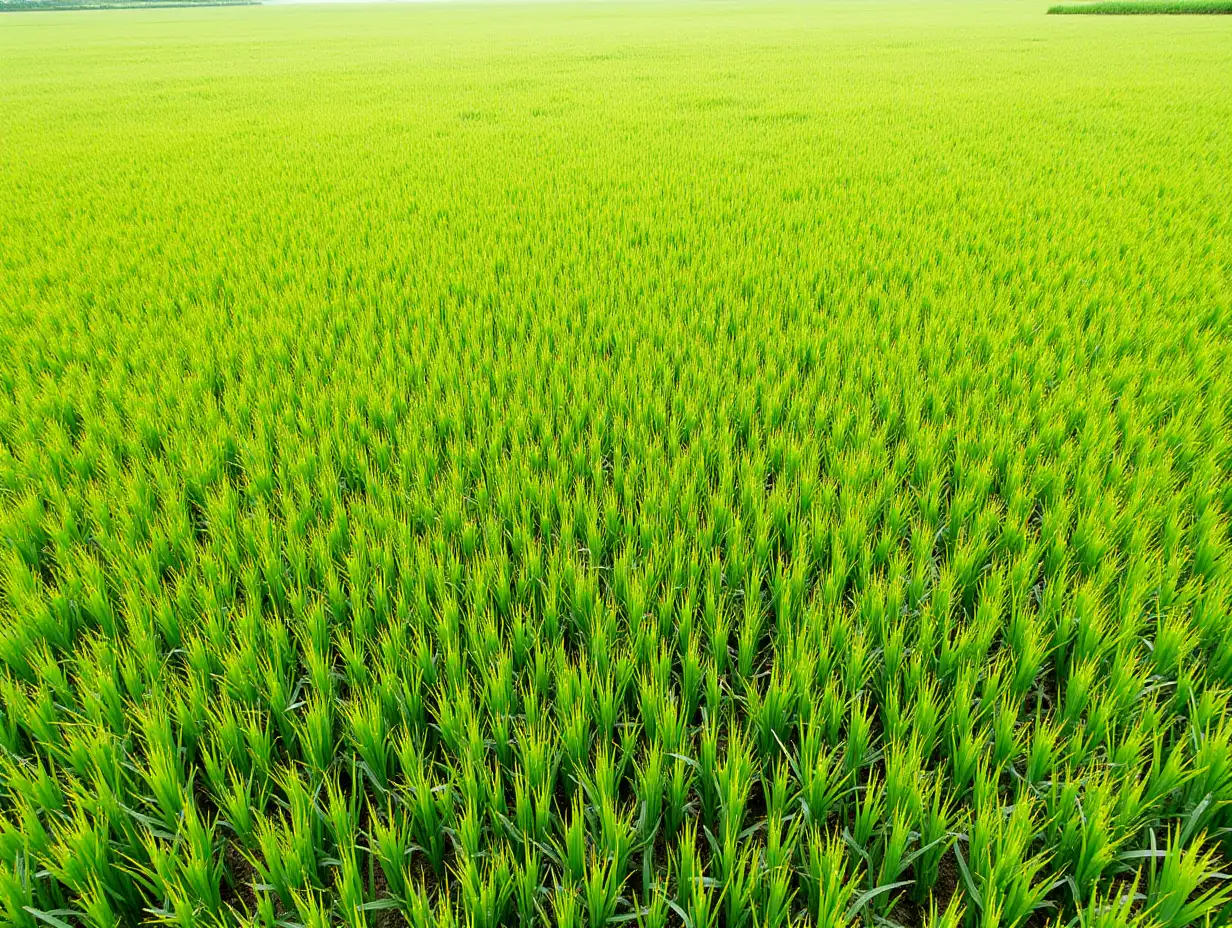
(622, 464)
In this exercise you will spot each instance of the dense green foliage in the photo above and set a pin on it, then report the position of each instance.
(720, 465)
(27, 6)
(1145, 7)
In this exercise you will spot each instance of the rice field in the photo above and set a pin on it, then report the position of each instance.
(693, 464)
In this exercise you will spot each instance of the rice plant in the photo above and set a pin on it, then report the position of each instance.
(614, 465)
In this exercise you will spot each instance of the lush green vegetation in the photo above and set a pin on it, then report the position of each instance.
(1145, 7)
(715, 464)
(27, 6)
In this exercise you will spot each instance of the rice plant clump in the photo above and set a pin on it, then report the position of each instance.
(598, 465)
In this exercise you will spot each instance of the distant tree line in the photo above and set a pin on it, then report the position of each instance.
(16, 5)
